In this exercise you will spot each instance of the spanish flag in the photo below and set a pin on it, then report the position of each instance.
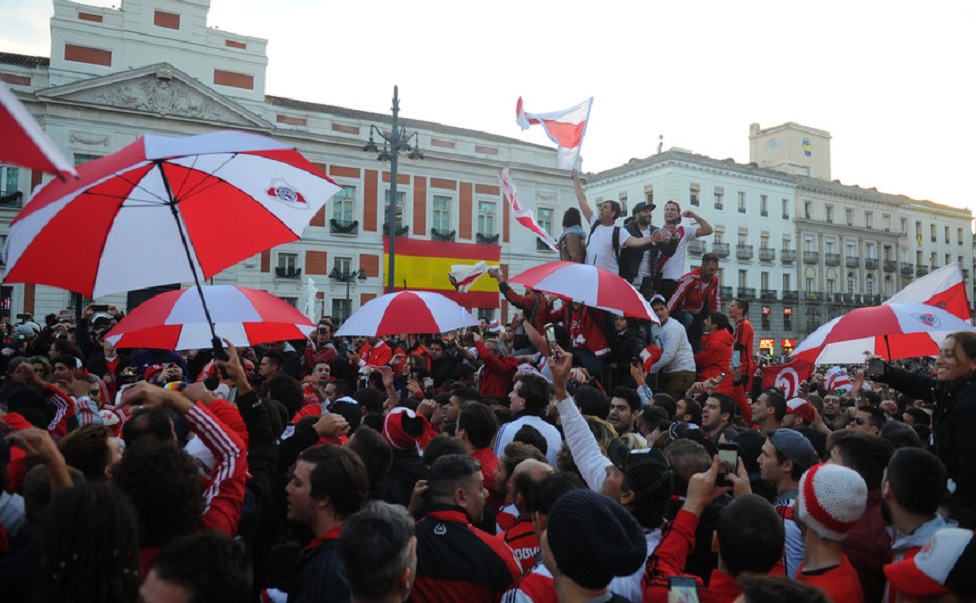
(425, 266)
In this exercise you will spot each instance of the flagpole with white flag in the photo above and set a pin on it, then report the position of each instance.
(523, 216)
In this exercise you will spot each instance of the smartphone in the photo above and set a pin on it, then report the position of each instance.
(551, 340)
(728, 459)
(876, 366)
(684, 589)
(736, 358)
(428, 382)
(99, 307)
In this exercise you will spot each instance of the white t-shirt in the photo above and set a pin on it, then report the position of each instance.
(599, 247)
(674, 268)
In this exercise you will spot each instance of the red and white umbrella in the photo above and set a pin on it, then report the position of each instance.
(175, 320)
(589, 285)
(165, 210)
(407, 312)
(891, 331)
(24, 142)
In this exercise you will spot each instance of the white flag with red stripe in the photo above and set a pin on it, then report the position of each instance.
(565, 128)
(523, 216)
(464, 275)
(943, 288)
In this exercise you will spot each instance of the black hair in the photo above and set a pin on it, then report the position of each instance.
(591, 401)
(211, 566)
(750, 535)
(630, 395)
(669, 404)
(448, 473)
(572, 217)
(535, 391)
(479, 423)
(533, 437)
(375, 452)
(918, 480)
(339, 475)
(287, 390)
(442, 445)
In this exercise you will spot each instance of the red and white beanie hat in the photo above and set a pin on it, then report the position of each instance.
(404, 429)
(947, 563)
(831, 500)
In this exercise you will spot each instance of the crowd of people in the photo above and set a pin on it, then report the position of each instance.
(569, 455)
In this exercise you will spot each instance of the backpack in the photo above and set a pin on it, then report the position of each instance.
(616, 239)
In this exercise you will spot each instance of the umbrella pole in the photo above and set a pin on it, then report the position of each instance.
(888, 348)
(189, 258)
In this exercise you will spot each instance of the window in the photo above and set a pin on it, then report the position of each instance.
(765, 319)
(889, 286)
(787, 319)
(849, 216)
(786, 243)
(808, 243)
(400, 201)
(904, 226)
(341, 308)
(850, 283)
(719, 197)
(545, 219)
(947, 235)
(809, 285)
(622, 199)
(84, 157)
(959, 236)
(869, 284)
(442, 213)
(869, 251)
(829, 245)
(344, 204)
(887, 253)
(808, 210)
(764, 280)
(486, 218)
(742, 278)
(764, 205)
(868, 219)
(886, 222)
(932, 233)
(9, 176)
(649, 194)
(851, 249)
(787, 281)
(742, 202)
(342, 264)
(831, 283)
(829, 214)
(786, 209)
(693, 194)
(288, 261)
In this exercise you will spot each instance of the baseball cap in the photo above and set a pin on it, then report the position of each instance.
(947, 563)
(648, 471)
(794, 446)
(641, 207)
(802, 409)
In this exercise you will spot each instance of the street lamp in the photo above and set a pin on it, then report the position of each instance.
(347, 277)
(398, 140)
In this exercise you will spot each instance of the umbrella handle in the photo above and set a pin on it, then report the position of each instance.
(220, 354)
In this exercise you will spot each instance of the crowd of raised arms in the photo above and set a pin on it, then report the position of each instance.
(566, 455)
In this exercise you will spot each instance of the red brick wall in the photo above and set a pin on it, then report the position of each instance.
(370, 201)
(167, 20)
(370, 265)
(419, 205)
(232, 79)
(85, 54)
(316, 262)
(465, 212)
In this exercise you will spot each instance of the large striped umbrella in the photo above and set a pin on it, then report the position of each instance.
(589, 285)
(175, 320)
(405, 313)
(891, 331)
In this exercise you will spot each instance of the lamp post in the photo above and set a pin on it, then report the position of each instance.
(398, 140)
(347, 277)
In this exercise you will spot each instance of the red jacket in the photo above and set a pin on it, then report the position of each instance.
(584, 321)
(714, 357)
(840, 583)
(742, 337)
(496, 376)
(694, 295)
(376, 356)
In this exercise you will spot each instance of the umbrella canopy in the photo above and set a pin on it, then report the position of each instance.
(907, 330)
(24, 142)
(405, 313)
(175, 320)
(165, 210)
(586, 284)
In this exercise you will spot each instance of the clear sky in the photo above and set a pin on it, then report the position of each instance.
(891, 81)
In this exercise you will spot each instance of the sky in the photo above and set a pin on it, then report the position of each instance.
(891, 81)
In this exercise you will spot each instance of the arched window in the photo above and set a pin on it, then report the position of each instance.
(869, 284)
(850, 283)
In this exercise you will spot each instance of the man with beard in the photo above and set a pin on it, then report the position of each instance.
(639, 265)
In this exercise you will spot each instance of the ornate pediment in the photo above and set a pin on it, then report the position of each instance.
(156, 90)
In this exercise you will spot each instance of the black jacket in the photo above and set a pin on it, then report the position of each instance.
(320, 579)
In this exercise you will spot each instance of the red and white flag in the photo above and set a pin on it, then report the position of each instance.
(787, 377)
(943, 288)
(24, 141)
(565, 128)
(525, 217)
(464, 275)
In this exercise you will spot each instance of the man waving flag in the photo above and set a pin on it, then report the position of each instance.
(565, 128)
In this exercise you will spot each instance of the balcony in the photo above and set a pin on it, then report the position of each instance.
(401, 231)
(921, 270)
(907, 269)
(811, 257)
(852, 261)
(14, 200)
(292, 273)
(849, 298)
(830, 259)
(436, 234)
(743, 252)
(721, 249)
(871, 263)
(696, 247)
(813, 296)
(483, 239)
(890, 265)
(787, 256)
(346, 227)
(767, 254)
(791, 296)
(725, 292)
(871, 299)
(768, 294)
(747, 292)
